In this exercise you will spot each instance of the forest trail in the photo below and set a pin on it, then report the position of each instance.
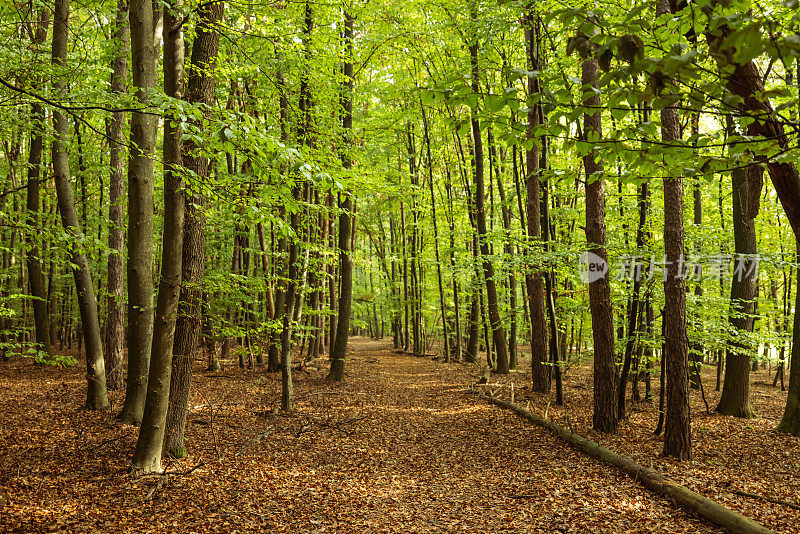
(431, 457)
(400, 446)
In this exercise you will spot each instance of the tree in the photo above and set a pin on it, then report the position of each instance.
(175, 201)
(605, 414)
(533, 277)
(96, 394)
(735, 399)
(677, 432)
(33, 261)
(199, 91)
(339, 347)
(498, 332)
(115, 323)
(140, 212)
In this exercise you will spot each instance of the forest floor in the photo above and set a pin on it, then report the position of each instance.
(402, 445)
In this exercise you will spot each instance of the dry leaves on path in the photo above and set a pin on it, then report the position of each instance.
(398, 447)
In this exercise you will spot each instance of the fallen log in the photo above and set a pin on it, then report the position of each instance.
(706, 508)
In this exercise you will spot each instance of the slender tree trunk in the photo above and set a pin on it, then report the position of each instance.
(339, 350)
(605, 415)
(456, 305)
(406, 330)
(677, 432)
(508, 249)
(735, 399)
(147, 456)
(442, 302)
(199, 90)
(33, 261)
(115, 323)
(550, 282)
(140, 212)
(696, 349)
(290, 303)
(533, 277)
(96, 394)
(635, 312)
(498, 332)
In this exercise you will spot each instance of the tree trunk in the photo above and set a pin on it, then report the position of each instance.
(508, 249)
(533, 276)
(677, 432)
(147, 456)
(339, 350)
(33, 261)
(605, 414)
(735, 399)
(199, 90)
(180, 374)
(115, 322)
(96, 394)
(140, 212)
(498, 333)
(459, 351)
(442, 305)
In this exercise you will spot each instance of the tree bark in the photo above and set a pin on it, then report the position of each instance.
(339, 350)
(96, 394)
(140, 212)
(605, 415)
(115, 322)
(533, 275)
(199, 90)
(498, 332)
(173, 87)
(32, 259)
(677, 431)
(445, 330)
(735, 399)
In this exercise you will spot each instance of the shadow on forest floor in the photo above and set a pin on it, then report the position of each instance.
(398, 447)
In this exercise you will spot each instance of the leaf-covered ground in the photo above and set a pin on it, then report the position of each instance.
(400, 446)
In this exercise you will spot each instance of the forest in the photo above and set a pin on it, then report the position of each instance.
(364, 266)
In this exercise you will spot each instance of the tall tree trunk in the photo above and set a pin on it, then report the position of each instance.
(746, 82)
(287, 386)
(404, 240)
(508, 249)
(140, 212)
(96, 394)
(605, 415)
(549, 278)
(33, 261)
(456, 305)
(173, 87)
(634, 313)
(199, 90)
(677, 432)
(339, 350)
(534, 281)
(445, 331)
(115, 323)
(498, 332)
(147, 456)
(696, 349)
(735, 399)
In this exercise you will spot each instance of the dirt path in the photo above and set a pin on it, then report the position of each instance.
(398, 447)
